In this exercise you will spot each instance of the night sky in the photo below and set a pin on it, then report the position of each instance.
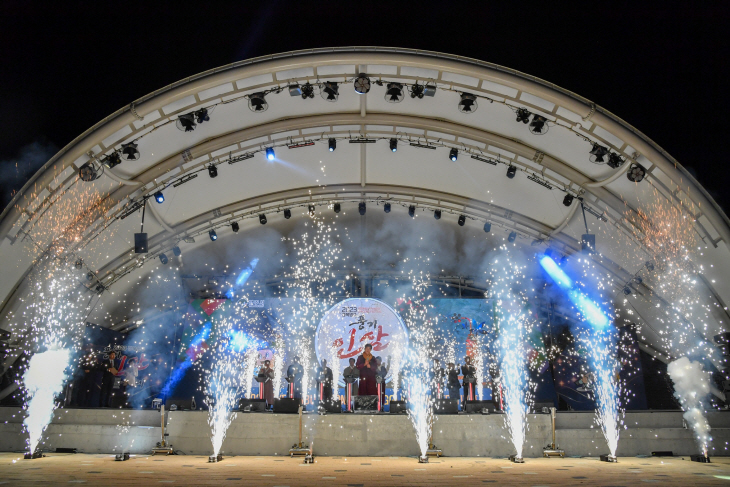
(661, 67)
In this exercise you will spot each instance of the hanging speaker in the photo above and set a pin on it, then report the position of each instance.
(140, 243)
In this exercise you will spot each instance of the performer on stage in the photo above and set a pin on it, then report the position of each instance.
(324, 377)
(350, 371)
(296, 373)
(267, 373)
(368, 370)
(453, 383)
(107, 383)
(382, 371)
(470, 376)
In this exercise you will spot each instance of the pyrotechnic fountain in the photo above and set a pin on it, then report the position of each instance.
(691, 385)
(514, 325)
(222, 386)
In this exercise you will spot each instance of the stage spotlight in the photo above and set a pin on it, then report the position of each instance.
(394, 93)
(213, 236)
(362, 84)
(638, 279)
(235, 227)
(539, 125)
(417, 91)
(202, 115)
(337, 207)
(270, 155)
(186, 122)
(468, 103)
(523, 115)
(386, 207)
(176, 251)
(598, 152)
(462, 220)
(453, 155)
(130, 151)
(79, 264)
(411, 211)
(163, 259)
(649, 265)
(393, 145)
(212, 171)
(262, 219)
(627, 290)
(112, 160)
(88, 172)
(511, 171)
(568, 200)
(614, 160)
(437, 214)
(159, 197)
(287, 213)
(257, 102)
(332, 145)
(310, 210)
(487, 227)
(361, 208)
(307, 91)
(636, 173)
(330, 91)
(512, 237)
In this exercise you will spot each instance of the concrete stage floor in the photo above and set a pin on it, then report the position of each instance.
(182, 470)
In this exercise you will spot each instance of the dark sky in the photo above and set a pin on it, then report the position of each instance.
(661, 67)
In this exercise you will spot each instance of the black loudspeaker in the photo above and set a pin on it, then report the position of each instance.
(446, 406)
(538, 406)
(178, 404)
(477, 406)
(286, 405)
(366, 403)
(329, 406)
(252, 404)
(140, 243)
(398, 407)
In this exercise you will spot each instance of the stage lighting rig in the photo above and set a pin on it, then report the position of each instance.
(310, 210)
(487, 227)
(539, 125)
(393, 145)
(235, 227)
(468, 103)
(386, 207)
(176, 251)
(512, 237)
(598, 152)
(262, 219)
(361, 208)
(636, 172)
(270, 154)
(453, 155)
(159, 197)
(523, 115)
(614, 160)
(412, 211)
(332, 143)
(462, 220)
(186, 123)
(213, 236)
(568, 200)
(257, 102)
(437, 214)
(362, 84)
(336, 207)
(287, 213)
(511, 171)
(89, 172)
(112, 160)
(212, 171)
(419, 91)
(202, 115)
(330, 91)
(649, 265)
(394, 93)
(163, 259)
(130, 151)
(79, 263)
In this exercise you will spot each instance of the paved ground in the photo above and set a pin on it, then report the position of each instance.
(64, 469)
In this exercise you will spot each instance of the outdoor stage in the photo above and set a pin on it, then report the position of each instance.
(356, 471)
(473, 435)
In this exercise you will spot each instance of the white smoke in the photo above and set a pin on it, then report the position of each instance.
(43, 381)
(691, 386)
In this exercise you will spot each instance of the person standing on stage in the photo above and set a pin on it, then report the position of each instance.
(267, 373)
(470, 379)
(382, 371)
(325, 378)
(295, 374)
(353, 372)
(368, 370)
(107, 383)
(453, 383)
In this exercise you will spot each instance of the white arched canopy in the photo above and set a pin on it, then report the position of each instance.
(425, 105)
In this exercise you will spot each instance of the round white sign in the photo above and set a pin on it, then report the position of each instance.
(351, 324)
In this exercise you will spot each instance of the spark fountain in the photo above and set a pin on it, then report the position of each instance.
(691, 386)
(507, 278)
(222, 386)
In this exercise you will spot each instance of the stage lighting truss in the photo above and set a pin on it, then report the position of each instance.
(362, 84)
(130, 151)
(468, 103)
(394, 93)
